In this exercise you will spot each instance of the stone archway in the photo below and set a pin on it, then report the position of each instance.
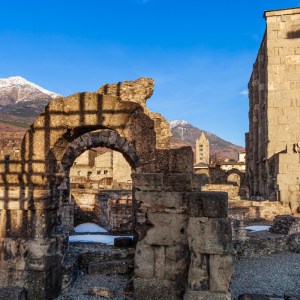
(234, 178)
(100, 138)
(174, 222)
(235, 175)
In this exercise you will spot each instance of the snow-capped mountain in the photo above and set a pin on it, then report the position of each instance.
(21, 100)
(185, 134)
(17, 89)
(176, 123)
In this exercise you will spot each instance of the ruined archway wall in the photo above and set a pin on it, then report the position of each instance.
(29, 184)
(139, 91)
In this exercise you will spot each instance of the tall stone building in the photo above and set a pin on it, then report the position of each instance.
(272, 160)
(202, 150)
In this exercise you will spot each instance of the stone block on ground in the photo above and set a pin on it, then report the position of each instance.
(13, 293)
(155, 289)
(102, 292)
(123, 241)
(108, 267)
(253, 297)
(128, 289)
(202, 295)
(291, 297)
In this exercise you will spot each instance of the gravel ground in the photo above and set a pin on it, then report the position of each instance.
(85, 283)
(275, 274)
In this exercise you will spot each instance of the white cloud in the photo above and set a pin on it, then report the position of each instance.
(244, 92)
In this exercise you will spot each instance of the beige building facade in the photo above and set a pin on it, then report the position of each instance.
(111, 164)
(202, 150)
(272, 159)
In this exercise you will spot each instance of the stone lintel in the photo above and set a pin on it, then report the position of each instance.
(280, 12)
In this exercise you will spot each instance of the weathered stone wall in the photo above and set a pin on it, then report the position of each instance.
(35, 184)
(230, 189)
(139, 91)
(170, 218)
(245, 209)
(274, 109)
(269, 245)
(84, 207)
(285, 224)
(113, 210)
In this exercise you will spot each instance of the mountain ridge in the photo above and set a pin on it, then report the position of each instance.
(21, 101)
(185, 134)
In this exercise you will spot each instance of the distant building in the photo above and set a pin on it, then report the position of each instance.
(202, 150)
(242, 157)
(105, 169)
(226, 166)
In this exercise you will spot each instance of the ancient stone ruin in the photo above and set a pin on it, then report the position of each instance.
(273, 168)
(182, 235)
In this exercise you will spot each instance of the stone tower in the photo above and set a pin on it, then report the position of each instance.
(272, 159)
(202, 150)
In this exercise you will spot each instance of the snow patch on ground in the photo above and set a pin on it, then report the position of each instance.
(104, 239)
(89, 227)
(258, 227)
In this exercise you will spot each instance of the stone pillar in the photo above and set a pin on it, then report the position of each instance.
(172, 219)
(31, 251)
(210, 246)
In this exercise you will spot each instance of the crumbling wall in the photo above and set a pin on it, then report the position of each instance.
(230, 189)
(245, 209)
(36, 184)
(139, 91)
(170, 217)
(113, 210)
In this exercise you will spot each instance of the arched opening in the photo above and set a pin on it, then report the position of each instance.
(234, 178)
(101, 189)
(97, 177)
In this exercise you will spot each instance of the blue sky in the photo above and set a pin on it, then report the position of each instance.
(200, 53)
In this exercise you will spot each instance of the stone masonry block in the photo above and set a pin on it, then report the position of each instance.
(148, 182)
(159, 201)
(155, 289)
(144, 261)
(159, 255)
(13, 293)
(200, 295)
(176, 264)
(108, 267)
(167, 230)
(177, 182)
(208, 204)
(199, 272)
(221, 270)
(209, 236)
(30, 254)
